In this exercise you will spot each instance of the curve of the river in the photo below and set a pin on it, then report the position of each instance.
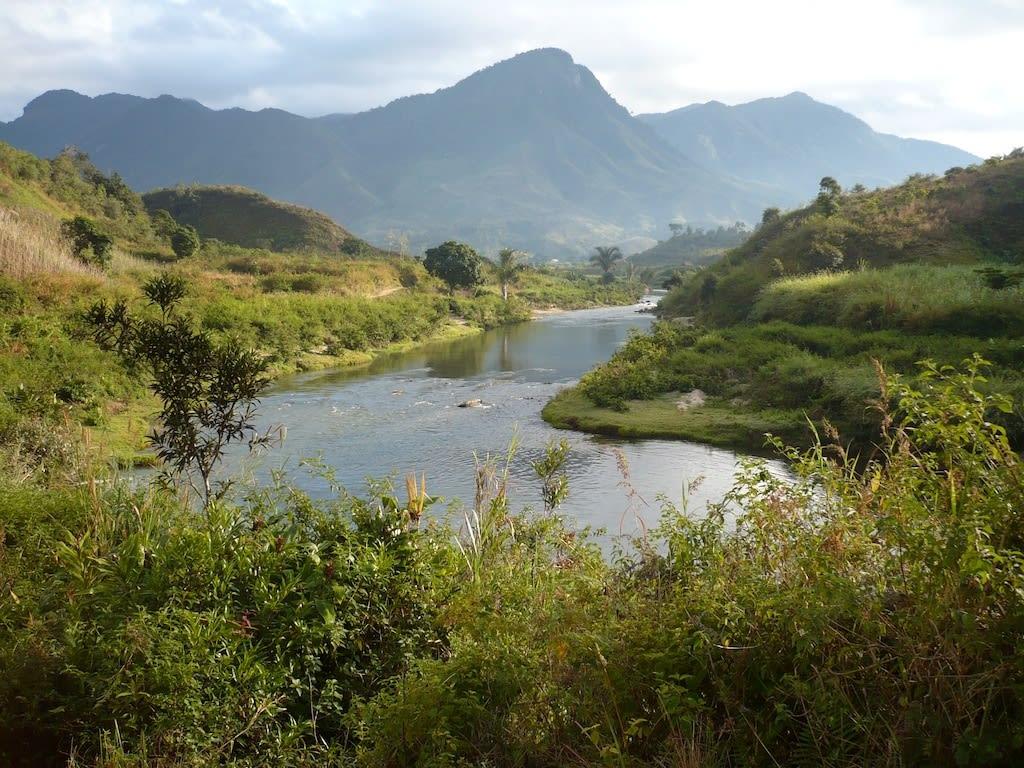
(401, 414)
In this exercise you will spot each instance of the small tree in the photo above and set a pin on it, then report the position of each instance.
(507, 269)
(456, 263)
(830, 186)
(708, 287)
(770, 216)
(164, 224)
(88, 243)
(606, 257)
(208, 391)
(675, 228)
(828, 195)
(185, 242)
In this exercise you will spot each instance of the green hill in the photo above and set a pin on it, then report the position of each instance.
(691, 247)
(793, 324)
(248, 218)
(969, 216)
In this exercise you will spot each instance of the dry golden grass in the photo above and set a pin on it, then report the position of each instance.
(31, 244)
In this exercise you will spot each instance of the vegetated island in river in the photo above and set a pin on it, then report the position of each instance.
(278, 278)
(787, 329)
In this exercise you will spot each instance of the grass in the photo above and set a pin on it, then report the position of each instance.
(915, 297)
(715, 423)
(768, 377)
(31, 244)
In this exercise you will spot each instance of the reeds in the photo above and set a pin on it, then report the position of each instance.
(31, 244)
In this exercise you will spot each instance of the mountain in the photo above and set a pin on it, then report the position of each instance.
(530, 152)
(791, 142)
(250, 219)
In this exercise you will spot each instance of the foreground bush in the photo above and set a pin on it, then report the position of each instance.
(835, 617)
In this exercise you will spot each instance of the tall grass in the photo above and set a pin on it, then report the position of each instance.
(31, 244)
(915, 297)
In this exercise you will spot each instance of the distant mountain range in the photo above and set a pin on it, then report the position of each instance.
(530, 152)
(789, 143)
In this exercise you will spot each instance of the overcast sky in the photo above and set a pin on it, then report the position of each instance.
(948, 70)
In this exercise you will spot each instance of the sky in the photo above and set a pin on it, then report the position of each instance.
(948, 70)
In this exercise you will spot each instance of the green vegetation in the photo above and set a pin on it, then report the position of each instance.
(507, 269)
(457, 264)
(865, 609)
(789, 325)
(298, 310)
(605, 258)
(836, 618)
(88, 244)
(244, 217)
(691, 246)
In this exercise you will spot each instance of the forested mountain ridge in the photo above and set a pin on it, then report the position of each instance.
(531, 150)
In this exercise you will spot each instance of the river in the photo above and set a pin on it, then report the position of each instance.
(400, 414)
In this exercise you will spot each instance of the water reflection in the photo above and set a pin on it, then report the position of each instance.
(401, 414)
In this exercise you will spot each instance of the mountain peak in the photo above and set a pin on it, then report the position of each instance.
(56, 98)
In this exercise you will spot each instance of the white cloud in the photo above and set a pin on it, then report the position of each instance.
(912, 67)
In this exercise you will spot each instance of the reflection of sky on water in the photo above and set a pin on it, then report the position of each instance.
(401, 414)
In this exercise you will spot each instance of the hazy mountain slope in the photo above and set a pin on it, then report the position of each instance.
(535, 145)
(792, 141)
(166, 141)
(247, 218)
(530, 152)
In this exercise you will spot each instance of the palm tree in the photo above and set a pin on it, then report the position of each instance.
(606, 257)
(508, 268)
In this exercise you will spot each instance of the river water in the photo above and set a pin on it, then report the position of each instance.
(401, 415)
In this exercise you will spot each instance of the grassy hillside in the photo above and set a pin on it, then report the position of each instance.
(245, 217)
(969, 216)
(792, 324)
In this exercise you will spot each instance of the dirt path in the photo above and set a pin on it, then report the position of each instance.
(385, 292)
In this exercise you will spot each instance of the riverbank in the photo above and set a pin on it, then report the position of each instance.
(714, 422)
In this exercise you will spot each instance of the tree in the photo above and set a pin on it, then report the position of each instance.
(164, 224)
(675, 228)
(208, 391)
(88, 243)
(606, 257)
(185, 242)
(707, 288)
(828, 195)
(507, 269)
(456, 263)
(830, 186)
(770, 216)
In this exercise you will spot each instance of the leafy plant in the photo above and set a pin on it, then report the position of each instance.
(456, 263)
(88, 242)
(208, 391)
(185, 242)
